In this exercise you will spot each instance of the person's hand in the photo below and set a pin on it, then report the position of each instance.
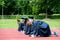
(23, 31)
(32, 36)
(29, 35)
(28, 23)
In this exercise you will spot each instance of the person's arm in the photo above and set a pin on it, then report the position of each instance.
(21, 26)
(27, 30)
(34, 31)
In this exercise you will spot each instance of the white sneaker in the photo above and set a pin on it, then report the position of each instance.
(56, 34)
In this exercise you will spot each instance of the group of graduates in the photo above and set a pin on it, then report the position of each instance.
(33, 27)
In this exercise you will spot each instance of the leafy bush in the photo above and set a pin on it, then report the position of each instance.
(54, 16)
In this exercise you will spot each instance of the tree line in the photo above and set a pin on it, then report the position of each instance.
(29, 7)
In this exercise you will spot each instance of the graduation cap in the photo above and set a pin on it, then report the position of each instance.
(31, 17)
(18, 20)
(23, 17)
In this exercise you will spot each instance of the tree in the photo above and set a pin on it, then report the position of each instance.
(2, 4)
(49, 6)
(27, 7)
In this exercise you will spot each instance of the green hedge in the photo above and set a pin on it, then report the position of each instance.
(55, 16)
(19, 16)
(35, 16)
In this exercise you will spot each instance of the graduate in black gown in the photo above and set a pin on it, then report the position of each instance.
(39, 28)
(33, 27)
(27, 27)
(21, 24)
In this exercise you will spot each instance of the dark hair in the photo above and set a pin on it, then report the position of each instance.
(31, 17)
(22, 18)
(18, 20)
(26, 19)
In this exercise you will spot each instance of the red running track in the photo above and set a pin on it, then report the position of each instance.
(13, 34)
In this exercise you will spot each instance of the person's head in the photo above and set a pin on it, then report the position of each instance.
(27, 21)
(31, 18)
(22, 18)
(18, 21)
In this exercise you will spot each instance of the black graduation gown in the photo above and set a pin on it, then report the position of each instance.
(21, 27)
(43, 29)
(34, 28)
(27, 29)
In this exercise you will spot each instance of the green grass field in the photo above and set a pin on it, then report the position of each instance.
(8, 23)
(12, 23)
(53, 23)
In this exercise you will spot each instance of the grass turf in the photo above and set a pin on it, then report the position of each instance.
(8, 23)
(12, 23)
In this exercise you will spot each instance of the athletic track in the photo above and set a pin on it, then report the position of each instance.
(13, 34)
